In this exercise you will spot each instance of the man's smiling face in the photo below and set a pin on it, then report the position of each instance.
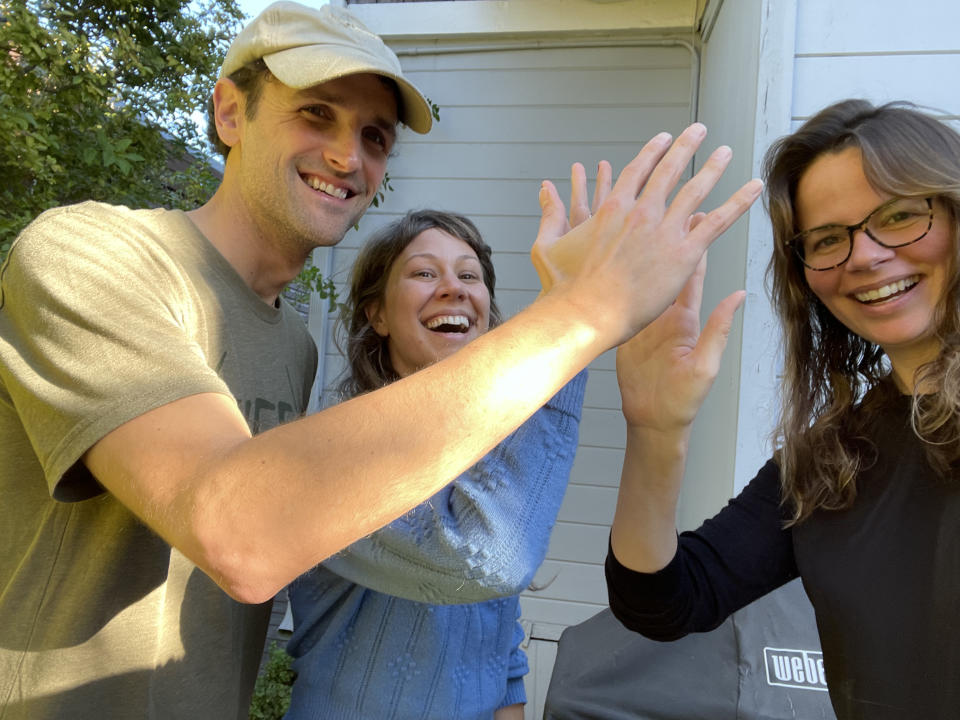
(311, 161)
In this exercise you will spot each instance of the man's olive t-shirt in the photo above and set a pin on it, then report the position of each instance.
(107, 313)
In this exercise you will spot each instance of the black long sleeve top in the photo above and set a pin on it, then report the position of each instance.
(883, 577)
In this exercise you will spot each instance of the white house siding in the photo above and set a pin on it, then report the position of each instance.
(878, 49)
(767, 65)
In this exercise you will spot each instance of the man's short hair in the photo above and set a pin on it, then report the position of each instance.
(250, 80)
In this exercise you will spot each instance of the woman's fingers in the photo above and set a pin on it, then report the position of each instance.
(553, 224)
(718, 220)
(579, 209)
(603, 186)
(713, 339)
(692, 294)
(689, 197)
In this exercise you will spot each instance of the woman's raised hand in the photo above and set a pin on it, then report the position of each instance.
(667, 369)
(554, 221)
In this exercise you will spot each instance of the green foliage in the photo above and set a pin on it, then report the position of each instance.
(311, 280)
(434, 109)
(382, 191)
(271, 694)
(96, 100)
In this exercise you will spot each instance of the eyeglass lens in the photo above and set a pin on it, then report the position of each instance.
(900, 222)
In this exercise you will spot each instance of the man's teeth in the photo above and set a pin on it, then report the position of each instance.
(332, 190)
(888, 290)
(455, 320)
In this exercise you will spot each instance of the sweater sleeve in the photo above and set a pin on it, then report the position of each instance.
(517, 667)
(739, 555)
(486, 533)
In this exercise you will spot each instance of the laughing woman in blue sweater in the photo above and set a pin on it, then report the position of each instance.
(420, 619)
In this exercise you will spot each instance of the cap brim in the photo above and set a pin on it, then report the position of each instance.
(309, 65)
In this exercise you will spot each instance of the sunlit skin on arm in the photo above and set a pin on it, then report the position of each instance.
(254, 513)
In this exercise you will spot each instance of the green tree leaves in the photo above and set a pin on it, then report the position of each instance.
(98, 101)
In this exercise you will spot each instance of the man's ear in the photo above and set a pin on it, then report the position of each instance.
(228, 109)
(376, 319)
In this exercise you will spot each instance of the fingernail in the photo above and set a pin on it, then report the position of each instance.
(663, 138)
(723, 152)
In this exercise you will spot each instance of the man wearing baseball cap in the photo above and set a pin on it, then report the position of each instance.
(159, 484)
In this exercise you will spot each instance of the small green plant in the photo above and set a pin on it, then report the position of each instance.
(311, 280)
(271, 694)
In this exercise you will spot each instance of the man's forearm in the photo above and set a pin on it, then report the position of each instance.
(254, 513)
(504, 505)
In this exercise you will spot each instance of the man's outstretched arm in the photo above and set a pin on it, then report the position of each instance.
(255, 512)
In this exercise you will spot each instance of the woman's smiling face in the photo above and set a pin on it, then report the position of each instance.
(435, 301)
(888, 296)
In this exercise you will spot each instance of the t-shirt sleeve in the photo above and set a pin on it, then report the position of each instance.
(739, 555)
(485, 534)
(97, 326)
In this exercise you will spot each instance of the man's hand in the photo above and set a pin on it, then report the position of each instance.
(624, 265)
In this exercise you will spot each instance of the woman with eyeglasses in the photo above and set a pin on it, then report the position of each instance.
(861, 499)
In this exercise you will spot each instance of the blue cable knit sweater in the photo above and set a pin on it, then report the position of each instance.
(419, 620)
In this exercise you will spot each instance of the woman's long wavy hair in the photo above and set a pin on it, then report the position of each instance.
(822, 442)
(368, 355)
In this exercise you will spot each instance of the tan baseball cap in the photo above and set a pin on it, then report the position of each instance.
(306, 46)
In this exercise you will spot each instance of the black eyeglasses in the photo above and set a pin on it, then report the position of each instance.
(898, 222)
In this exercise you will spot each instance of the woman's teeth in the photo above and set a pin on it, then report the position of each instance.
(456, 323)
(887, 290)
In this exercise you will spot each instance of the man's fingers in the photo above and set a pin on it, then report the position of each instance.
(691, 195)
(674, 163)
(634, 176)
(717, 221)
